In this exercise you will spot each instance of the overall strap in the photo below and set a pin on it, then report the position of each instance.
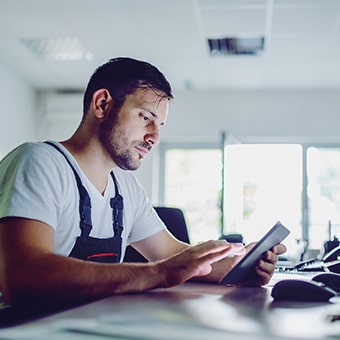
(84, 200)
(117, 210)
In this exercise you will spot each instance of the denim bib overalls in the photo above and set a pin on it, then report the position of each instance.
(88, 248)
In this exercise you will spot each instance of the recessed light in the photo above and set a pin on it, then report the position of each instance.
(57, 49)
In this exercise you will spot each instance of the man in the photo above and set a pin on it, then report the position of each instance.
(68, 209)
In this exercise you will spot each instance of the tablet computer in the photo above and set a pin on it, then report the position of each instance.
(237, 274)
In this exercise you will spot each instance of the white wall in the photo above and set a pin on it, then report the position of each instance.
(62, 114)
(17, 114)
(250, 114)
(307, 115)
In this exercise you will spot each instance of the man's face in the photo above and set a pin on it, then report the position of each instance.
(131, 133)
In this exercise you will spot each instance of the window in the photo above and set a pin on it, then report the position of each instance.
(193, 182)
(263, 183)
(323, 166)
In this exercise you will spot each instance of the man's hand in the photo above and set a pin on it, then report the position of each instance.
(262, 272)
(265, 267)
(193, 261)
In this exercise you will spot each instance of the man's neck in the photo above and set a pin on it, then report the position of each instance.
(92, 159)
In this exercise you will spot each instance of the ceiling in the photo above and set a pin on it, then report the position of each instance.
(301, 50)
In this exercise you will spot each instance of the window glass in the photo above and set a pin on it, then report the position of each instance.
(193, 183)
(263, 184)
(323, 169)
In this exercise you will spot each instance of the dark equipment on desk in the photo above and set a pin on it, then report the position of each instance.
(331, 244)
(315, 266)
(302, 290)
(331, 280)
(330, 262)
(332, 255)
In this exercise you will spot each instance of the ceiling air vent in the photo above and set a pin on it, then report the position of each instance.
(236, 46)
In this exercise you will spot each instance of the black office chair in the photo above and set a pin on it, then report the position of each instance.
(174, 219)
(232, 238)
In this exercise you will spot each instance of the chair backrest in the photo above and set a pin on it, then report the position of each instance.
(174, 219)
(232, 238)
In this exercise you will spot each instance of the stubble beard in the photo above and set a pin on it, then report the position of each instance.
(116, 143)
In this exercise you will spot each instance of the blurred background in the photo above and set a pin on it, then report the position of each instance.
(253, 133)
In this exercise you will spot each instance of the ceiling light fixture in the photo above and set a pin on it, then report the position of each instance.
(57, 49)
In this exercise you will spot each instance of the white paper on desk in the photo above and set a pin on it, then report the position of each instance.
(195, 323)
(155, 324)
(153, 330)
(33, 331)
(312, 322)
(92, 329)
(122, 326)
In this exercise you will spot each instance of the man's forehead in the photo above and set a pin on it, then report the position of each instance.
(150, 95)
(150, 100)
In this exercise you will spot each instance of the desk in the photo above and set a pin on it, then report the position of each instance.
(189, 311)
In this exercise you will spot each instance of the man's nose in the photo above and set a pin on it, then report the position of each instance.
(153, 137)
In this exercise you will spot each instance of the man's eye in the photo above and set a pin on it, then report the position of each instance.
(145, 118)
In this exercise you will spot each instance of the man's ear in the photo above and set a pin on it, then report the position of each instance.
(102, 102)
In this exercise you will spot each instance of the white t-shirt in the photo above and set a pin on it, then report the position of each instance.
(36, 182)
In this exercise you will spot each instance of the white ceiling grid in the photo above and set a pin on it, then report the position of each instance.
(302, 40)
